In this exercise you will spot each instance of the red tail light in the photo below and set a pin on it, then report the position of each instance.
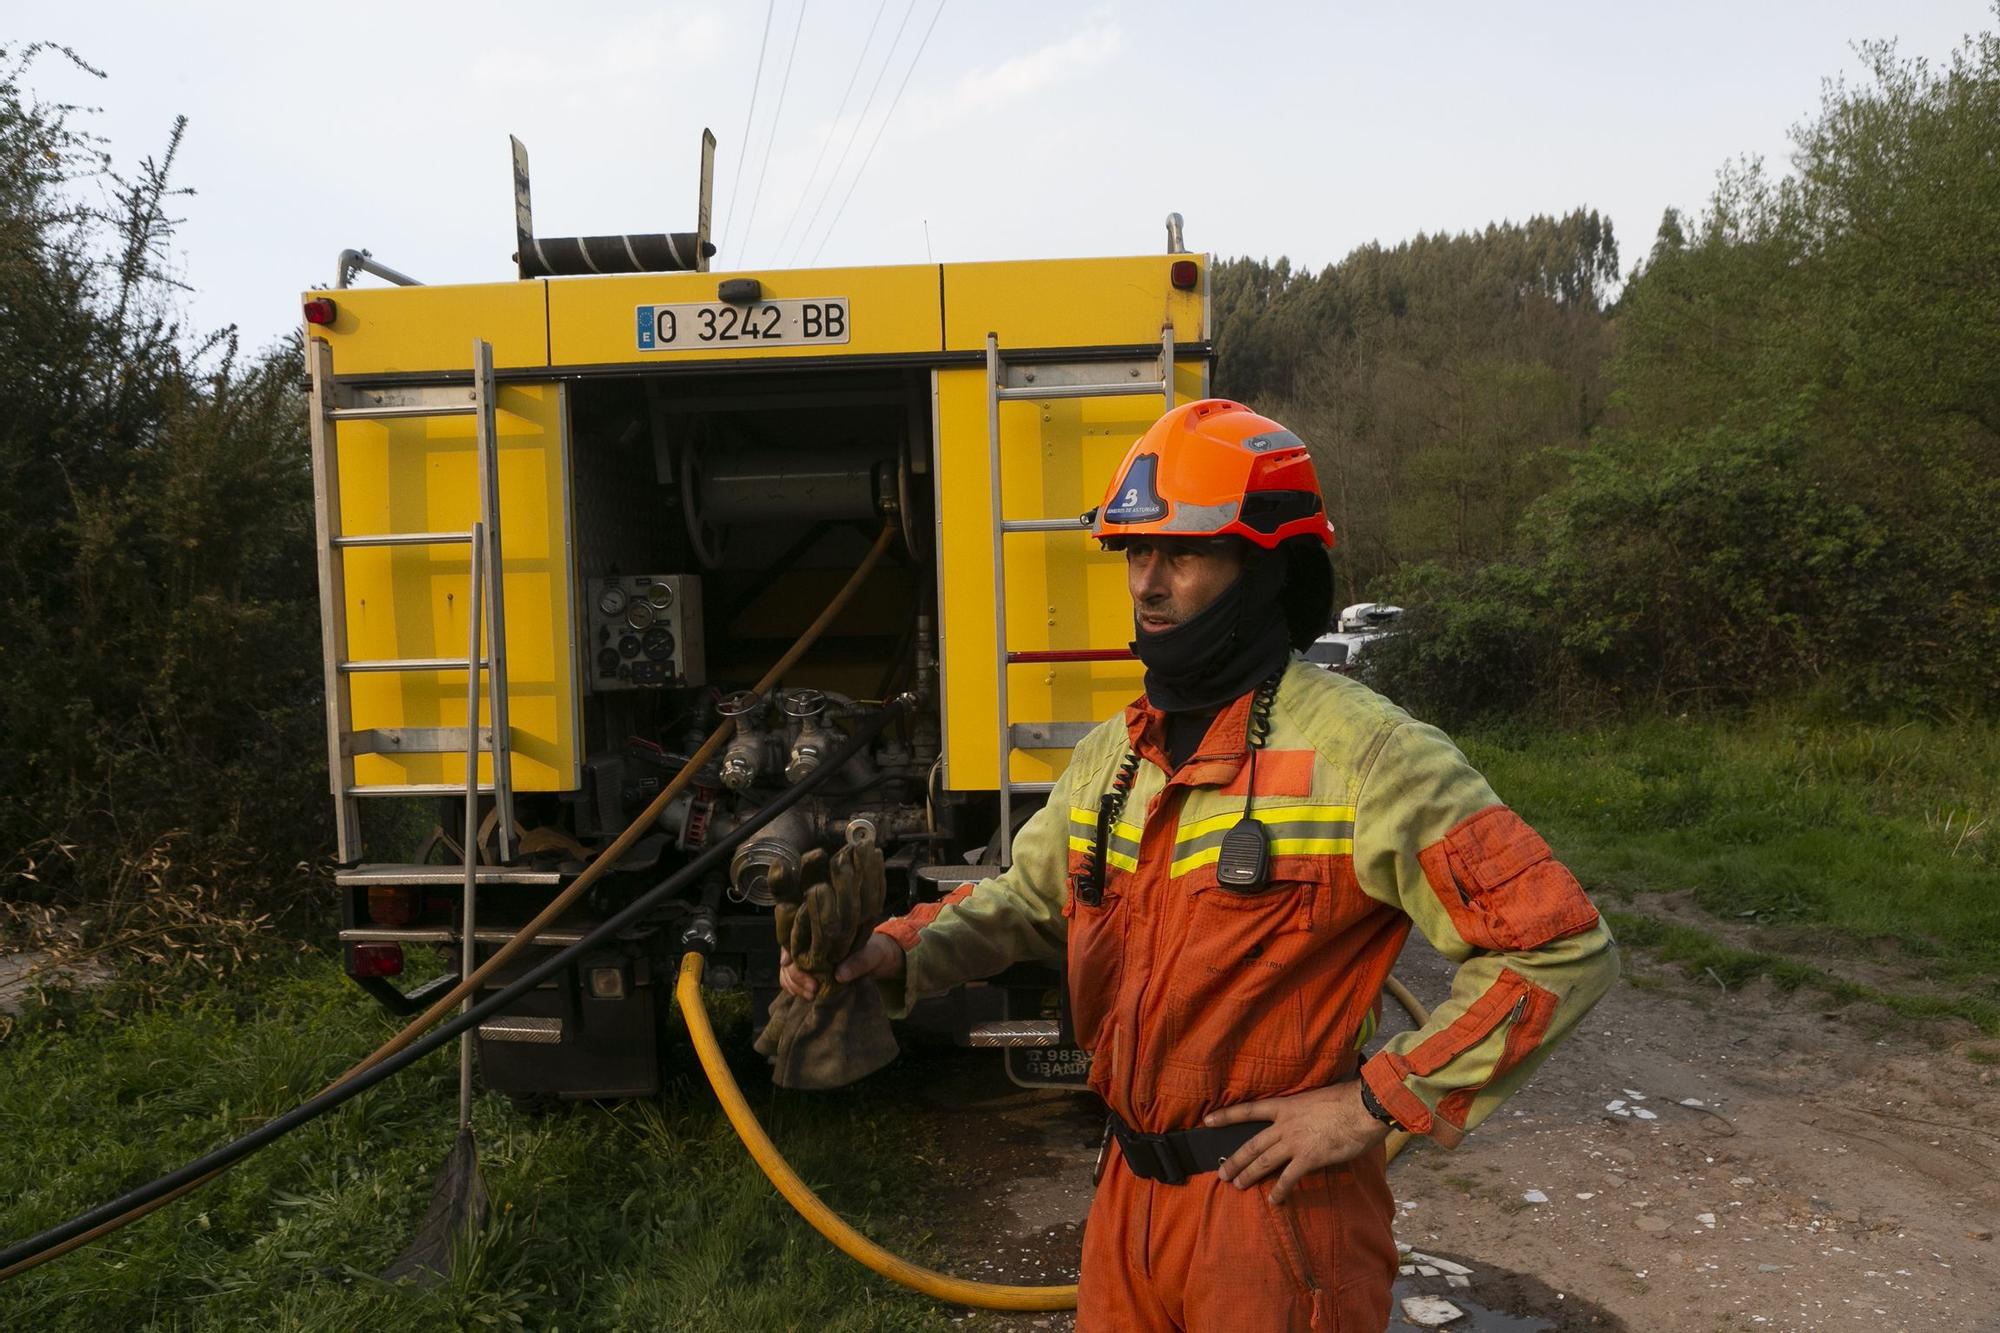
(392, 906)
(376, 960)
(1185, 273)
(321, 310)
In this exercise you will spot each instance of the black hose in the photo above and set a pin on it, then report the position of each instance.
(326, 1101)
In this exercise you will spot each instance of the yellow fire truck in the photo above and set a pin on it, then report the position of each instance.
(665, 472)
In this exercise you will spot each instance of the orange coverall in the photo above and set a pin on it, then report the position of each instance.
(1192, 997)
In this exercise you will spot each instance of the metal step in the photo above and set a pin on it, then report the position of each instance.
(403, 539)
(409, 664)
(1017, 1032)
(388, 875)
(412, 740)
(447, 935)
(391, 412)
(1078, 524)
(1134, 389)
(417, 789)
(527, 1028)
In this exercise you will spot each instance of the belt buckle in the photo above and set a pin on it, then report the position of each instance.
(1163, 1165)
(1168, 1161)
(1149, 1156)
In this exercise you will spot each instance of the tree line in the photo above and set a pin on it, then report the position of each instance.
(1766, 464)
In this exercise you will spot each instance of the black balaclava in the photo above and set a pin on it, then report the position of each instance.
(1223, 651)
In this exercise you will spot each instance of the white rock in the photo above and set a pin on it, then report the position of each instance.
(1457, 1281)
(1706, 1219)
(1614, 1104)
(1587, 1194)
(1426, 1270)
(1444, 1264)
(1634, 1094)
(1643, 1113)
(1430, 1311)
(1535, 1196)
(1693, 1101)
(1408, 1270)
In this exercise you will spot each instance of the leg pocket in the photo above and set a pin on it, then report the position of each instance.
(1288, 1238)
(1334, 1234)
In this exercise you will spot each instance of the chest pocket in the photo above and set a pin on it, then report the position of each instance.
(1238, 981)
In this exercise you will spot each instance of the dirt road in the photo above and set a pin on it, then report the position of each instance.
(1693, 1161)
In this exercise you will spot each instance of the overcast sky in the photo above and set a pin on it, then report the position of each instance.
(1021, 129)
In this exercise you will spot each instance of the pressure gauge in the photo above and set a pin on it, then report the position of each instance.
(639, 615)
(659, 643)
(661, 595)
(611, 601)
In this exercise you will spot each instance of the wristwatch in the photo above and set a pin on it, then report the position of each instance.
(1374, 1107)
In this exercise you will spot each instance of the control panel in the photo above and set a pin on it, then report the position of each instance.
(645, 632)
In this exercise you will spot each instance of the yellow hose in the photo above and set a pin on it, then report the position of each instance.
(957, 1290)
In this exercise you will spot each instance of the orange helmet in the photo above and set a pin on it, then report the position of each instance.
(1214, 467)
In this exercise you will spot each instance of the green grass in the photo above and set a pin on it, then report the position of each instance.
(642, 1215)
(1839, 840)
(1839, 843)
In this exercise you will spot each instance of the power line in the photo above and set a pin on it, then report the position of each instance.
(854, 133)
(878, 132)
(730, 217)
(750, 227)
(827, 142)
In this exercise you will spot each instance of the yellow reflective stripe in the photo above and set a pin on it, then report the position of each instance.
(1205, 856)
(1276, 814)
(1312, 846)
(1367, 1029)
(1112, 856)
(1087, 821)
(1278, 847)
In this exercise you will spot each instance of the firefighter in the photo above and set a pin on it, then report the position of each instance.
(1230, 869)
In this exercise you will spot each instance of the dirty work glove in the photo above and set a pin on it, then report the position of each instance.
(842, 1034)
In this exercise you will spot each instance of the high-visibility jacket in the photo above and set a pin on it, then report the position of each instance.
(1192, 997)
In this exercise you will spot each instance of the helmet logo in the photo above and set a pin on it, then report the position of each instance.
(1138, 495)
(1273, 439)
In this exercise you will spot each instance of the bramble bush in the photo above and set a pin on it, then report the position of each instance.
(160, 732)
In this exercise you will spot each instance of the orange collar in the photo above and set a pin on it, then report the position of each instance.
(1215, 761)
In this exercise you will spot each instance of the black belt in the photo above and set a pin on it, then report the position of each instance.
(1172, 1157)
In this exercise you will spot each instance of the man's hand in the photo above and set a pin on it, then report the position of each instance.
(1308, 1130)
(879, 957)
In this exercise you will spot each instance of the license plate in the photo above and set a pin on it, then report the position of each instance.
(1048, 1066)
(711, 324)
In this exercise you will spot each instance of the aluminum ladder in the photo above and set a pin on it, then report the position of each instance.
(332, 403)
(1032, 380)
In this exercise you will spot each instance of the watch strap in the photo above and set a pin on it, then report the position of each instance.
(1373, 1105)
